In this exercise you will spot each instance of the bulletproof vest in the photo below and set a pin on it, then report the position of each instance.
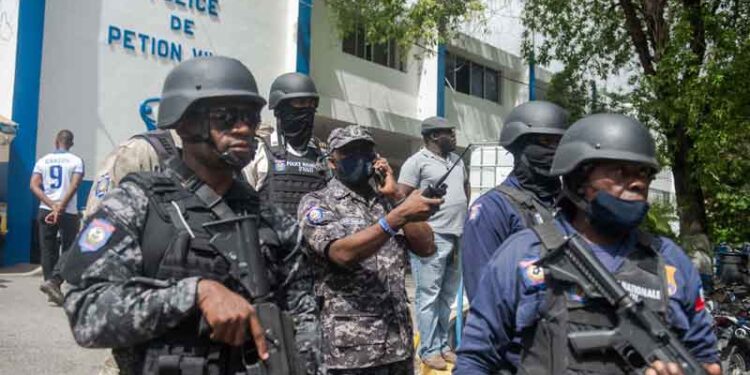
(291, 177)
(531, 209)
(175, 246)
(162, 143)
(565, 309)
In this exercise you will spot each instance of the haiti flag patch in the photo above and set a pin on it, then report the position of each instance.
(96, 235)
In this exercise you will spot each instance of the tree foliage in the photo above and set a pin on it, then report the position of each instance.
(689, 65)
(570, 90)
(658, 220)
(426, 22)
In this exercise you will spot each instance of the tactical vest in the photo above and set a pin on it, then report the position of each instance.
(175, 245)
(544, 345)
(161, 141)
(290, 177)
(532, 211)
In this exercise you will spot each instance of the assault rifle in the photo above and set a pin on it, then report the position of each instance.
(439, 188)
(237, 239)
(640, 337)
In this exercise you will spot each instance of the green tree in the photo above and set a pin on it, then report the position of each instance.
(426, 22)
(569, 90)
(658, 220)
(689, 62)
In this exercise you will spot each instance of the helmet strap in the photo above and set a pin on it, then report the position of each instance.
(574, 198)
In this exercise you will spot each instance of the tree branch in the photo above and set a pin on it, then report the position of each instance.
(657, 26)
(698, 39)
(635, 30)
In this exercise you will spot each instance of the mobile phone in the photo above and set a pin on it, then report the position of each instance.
(379, 178)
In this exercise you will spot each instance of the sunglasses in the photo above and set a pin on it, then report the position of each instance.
(224, 119)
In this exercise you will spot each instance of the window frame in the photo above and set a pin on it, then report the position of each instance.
(455, 64)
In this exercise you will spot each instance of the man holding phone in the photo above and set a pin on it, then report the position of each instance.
(437, 277)
(54, 182)
(359, 241)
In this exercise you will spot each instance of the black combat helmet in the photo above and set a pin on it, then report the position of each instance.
(204, 78)
(604, 136)
(537, 117)
(289, 86)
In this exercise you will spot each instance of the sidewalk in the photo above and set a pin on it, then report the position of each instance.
(35, 336)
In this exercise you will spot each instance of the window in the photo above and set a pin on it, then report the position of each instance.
(386, 54)
(472, 78)
(491, 91)
(450, 70)
(463, 75)
(477, 80)
(490, 166)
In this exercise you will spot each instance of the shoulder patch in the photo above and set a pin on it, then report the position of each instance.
(279, 165)
(96, 235)
(531, 274)
(314, 215)
(474, 211)
(102, 185)
(671, 279)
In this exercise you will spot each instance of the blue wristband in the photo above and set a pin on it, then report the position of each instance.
(386, 228)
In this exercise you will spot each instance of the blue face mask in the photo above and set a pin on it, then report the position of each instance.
(354, 170)
(610, 215)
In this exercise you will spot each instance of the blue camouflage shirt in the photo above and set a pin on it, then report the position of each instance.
(509, 301)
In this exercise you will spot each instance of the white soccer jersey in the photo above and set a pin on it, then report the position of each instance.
(57, 171)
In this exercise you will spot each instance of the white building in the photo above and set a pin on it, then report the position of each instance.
(90, 65)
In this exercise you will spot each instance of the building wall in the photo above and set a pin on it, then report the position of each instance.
(8, 39)
(93, 81)
(354, 90)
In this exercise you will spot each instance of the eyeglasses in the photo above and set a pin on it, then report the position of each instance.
(224, 119)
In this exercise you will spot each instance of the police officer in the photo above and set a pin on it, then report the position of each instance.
(522, 314)
(282, 174)
(142, 152)
(285, 172)
(531, 133)
(360, 242)
(146, 269)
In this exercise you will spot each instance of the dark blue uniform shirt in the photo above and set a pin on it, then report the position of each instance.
(509, 299)
(492, 219)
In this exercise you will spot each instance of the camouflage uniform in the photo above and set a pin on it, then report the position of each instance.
(289, 262)
(290, 266)
(114, 305)
(133, 155)
(364, 314)
(300, 300)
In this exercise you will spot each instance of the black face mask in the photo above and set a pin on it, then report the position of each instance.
(533, 170)
(354, 171)
(538, 158)
(613, 216)
(296, 125)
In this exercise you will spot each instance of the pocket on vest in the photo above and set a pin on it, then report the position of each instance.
(357, 330)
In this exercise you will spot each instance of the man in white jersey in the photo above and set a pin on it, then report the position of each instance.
(54, 181)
